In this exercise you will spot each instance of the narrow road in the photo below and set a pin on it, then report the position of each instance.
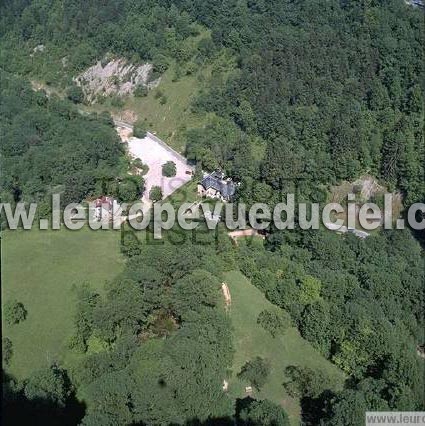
(123, 124)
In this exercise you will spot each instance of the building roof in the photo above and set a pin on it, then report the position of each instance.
(102, 201)
(215, 180)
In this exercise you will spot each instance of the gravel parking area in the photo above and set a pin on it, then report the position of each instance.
(154, 152)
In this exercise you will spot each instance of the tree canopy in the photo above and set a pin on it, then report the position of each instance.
(318, 92)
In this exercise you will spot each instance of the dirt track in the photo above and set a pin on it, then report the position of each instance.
(226, 294)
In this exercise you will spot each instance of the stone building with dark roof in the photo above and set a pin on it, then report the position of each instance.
(214, 185)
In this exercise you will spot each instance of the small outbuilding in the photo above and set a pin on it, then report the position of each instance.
(106, 208)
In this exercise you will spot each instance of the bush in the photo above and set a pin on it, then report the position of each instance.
(206, 48)
(50, 385)
(130, 245)
(14, 312)
(7, 350)
(191, 68)
(128, 191)
(160, 64)
(117, 102)
(75, 94)
(138, 164)
(275, 322)
(155, 194)
(139, 130)
(141, 91)
(77, 343)
(305, 382)
(177, 73)
(255, 372)
(264, 413)
(169, 169)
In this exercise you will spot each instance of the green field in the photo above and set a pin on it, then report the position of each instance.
(40, 269)
(251, 340)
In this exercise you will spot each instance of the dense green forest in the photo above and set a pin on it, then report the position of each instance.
(49, 147)
(361, 304)
(334, 89)
(84, 31)
(320, 91)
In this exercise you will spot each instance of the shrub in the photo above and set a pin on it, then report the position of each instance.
(130, 245)
(275, 322)
(117, 102)
(14, 312)
(206, 48)
(7, 350)
(305, 382)
(128, 191)
(264, 413)
(75, 94)
(138, 163)
(191, 68)
(139, 130)
(169, 169)
(77, 343)
(50, 385)
(155, 194)
(160, 64)
(141, 91)
(255, 372)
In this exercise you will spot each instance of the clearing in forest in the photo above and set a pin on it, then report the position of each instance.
(251, 340)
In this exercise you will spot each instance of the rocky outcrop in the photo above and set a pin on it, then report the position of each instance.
(115, 77)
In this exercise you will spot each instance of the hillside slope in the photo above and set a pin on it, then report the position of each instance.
(251, 340)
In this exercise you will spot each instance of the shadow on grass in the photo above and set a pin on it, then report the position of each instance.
(18, 410)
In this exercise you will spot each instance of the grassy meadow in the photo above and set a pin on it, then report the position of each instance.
(40, 269)
(169, 119)
(251, 340)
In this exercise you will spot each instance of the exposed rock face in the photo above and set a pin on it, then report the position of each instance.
(117, 77)
(39, 48)
(416, 3)
(368, 187)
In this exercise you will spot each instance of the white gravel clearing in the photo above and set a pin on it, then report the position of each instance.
(154, 152)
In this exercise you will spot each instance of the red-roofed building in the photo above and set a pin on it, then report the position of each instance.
(106, 208)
